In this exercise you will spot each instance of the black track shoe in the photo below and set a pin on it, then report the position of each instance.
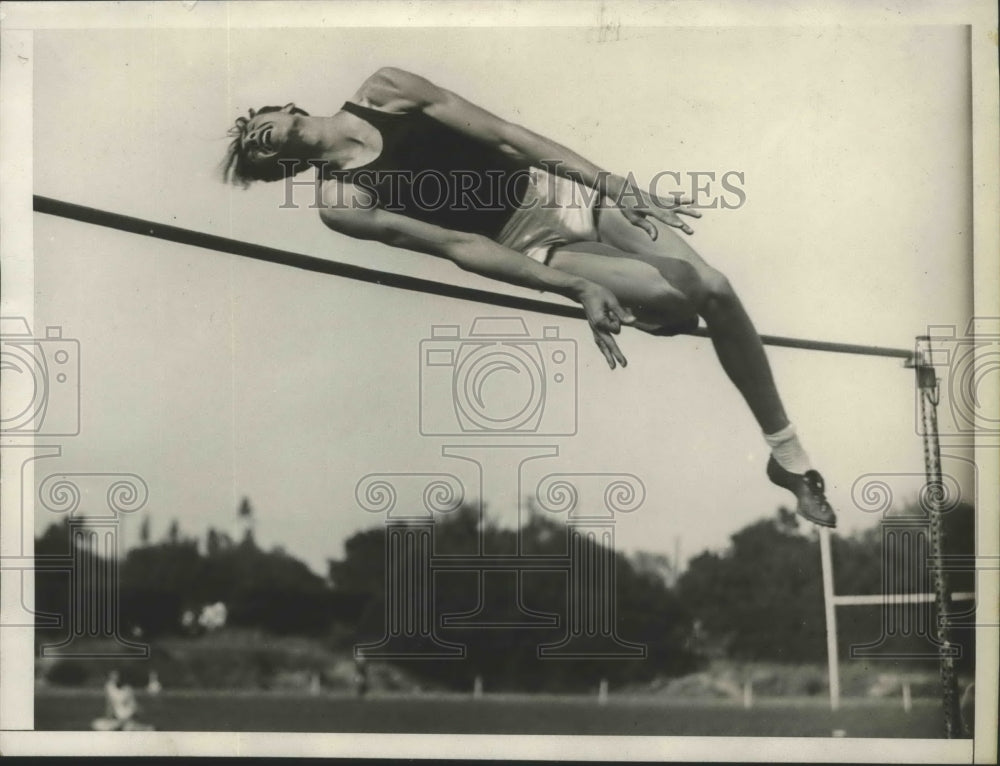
(808, 489)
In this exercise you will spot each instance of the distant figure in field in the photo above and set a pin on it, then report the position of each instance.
(153, 687)
(360, 677)
(120, 707)
(521, 208)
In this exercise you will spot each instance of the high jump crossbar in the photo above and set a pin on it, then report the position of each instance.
(183, 236)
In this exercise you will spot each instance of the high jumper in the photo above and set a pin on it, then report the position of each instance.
(512, 205)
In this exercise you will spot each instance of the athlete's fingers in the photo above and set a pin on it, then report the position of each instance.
(676, 200)
(608, 356)
(671, 219)
(688, 211)
(607, 323)
(622, 315)
(647, 226)
(611, 351)
(639, 219)
(678, 204)
(625, 315)
(616, 352)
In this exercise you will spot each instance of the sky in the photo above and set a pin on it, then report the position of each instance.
(214, 377)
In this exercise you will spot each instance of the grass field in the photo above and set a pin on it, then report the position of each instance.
(501, 714)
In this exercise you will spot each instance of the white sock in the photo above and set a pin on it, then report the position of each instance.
(788, 451)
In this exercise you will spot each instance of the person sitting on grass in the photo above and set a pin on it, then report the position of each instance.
(120, 707)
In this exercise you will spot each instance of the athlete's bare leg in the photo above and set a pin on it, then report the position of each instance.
(665, 282)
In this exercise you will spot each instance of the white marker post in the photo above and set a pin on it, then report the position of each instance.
(831, 617)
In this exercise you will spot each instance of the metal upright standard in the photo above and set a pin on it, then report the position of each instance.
(927, 389)
(913, 548)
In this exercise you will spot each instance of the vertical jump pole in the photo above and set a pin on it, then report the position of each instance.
(833, 661)
(927, 393)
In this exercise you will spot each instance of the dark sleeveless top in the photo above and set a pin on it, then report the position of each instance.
(433, 173)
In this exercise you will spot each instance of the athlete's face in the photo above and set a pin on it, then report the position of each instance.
(267, 134)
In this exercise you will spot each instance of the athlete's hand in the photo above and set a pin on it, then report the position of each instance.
(606, 317)
(639, 207)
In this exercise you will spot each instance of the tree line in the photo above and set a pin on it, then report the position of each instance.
(759, 599)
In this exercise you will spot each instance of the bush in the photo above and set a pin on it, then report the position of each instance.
(68, 673)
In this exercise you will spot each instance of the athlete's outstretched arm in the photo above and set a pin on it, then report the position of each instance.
(397, 89)
(355, 216)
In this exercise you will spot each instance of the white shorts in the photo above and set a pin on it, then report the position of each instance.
(555, 211)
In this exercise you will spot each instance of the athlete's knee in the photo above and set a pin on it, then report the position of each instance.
(715, 294)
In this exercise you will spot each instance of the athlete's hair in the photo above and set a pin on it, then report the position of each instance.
(238, 168)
